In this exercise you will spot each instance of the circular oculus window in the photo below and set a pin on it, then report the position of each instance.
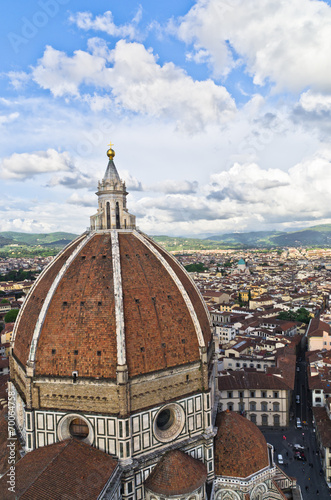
(169, 422)
(75, 426)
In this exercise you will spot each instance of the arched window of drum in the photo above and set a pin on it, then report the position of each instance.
(108, 215)
(117, 216)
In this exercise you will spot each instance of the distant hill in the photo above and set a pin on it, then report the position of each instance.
(319, 236)
(314, 236)
(5, 241)
(255, 238)
(58, 239)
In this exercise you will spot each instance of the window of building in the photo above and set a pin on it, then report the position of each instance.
(275, 406)
(276, 420)
(252, 406)
(230, 364)
(238, 365)
(264, 406)
(78, 428)
(263, 394)
(253, 418)
(264, 419)
(258, 365)
(230, 406)
(276, 394)
(245, 365)
(318, 400)
(241, 407)
(252, 394)
(229, 394)
(324, 343)
(318, 391)
(241, 394)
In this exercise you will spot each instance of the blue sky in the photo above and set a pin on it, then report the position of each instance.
(219, 111)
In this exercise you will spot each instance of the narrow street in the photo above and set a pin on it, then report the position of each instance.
(308, 471)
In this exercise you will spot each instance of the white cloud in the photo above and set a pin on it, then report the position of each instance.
(27, 165)
(63, 75)
(74, 180)
(18, 79)
(137, 84)
(245, 197)
(285, 42)
(315, 102)
(26, 226)
(8, 118)
(87, 200)
(105, 23)
(172, 186)
(131, 182)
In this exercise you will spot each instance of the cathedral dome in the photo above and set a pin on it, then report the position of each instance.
(240, 447)
(112, 306)
(111, 298)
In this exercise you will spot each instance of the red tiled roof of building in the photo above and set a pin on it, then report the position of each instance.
(176, 474)
(79, 330)
(69, 469)
(242, 379)
(8, 328)
(240, 447)
(317, 327)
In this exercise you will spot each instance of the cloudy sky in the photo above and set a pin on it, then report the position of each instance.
(219, 111)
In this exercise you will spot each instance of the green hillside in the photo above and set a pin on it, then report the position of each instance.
(57, 239)
(254, 238)
(183, 244)
(319, 235)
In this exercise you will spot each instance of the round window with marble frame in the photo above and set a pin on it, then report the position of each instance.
(64, 428)
(168, 422)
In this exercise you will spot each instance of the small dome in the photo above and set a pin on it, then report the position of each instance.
(176, 474)
(240, 447)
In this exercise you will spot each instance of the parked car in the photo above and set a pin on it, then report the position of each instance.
(297, 397)
(298, 447)
(298, 424)
(280, 459)
(298, 368)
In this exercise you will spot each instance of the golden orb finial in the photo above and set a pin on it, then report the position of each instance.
(110, 152)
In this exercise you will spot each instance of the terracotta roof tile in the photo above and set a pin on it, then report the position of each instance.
(192, 292)
(79, 329)
(69, 469)
(246, 379)
(176, 474)
(33, 305)
(240, 447)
